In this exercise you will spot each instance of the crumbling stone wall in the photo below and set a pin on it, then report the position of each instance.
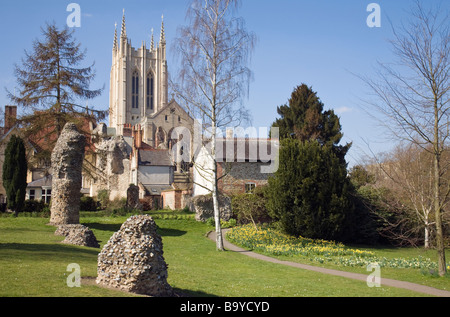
(204, 208)
(77, 234)
(133, 261)
(67, 160)
(114, 165)
(133, 201)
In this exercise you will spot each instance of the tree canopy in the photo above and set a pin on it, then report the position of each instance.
(53, 88)
(304, 118)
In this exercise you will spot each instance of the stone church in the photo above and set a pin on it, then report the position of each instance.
(141, 120)
(137, 146)
(139, 91)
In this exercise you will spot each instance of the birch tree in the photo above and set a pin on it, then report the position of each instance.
(408, 173)
(214, 51)
(412, 95)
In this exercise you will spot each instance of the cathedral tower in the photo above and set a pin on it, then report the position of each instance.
(139, 80)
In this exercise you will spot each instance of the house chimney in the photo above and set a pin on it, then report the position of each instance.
(139, 137)
(230, 133)
(10, 117)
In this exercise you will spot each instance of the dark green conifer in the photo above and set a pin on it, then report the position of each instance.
(304, 118)
(310, 193)
(15, 174)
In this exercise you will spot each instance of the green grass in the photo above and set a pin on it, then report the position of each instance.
(33, 262)
(415, 265)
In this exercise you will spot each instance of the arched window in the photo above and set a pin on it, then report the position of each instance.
(135, 91)
(150, 92)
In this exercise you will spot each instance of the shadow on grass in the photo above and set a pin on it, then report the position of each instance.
(167, 232)
(103, 226)
(179, 292)
(188, 293)
(57, 250)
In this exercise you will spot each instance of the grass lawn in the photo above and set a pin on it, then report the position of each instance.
(321, 254)
(33, 263)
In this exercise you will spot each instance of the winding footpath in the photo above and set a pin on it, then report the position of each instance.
(362, 277)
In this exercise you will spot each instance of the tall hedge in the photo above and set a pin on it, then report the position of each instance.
(15, 174)
(309, 195)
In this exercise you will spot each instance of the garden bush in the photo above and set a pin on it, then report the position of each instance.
(88, 204)
(33, 206)
(251, 208)
(103, 198)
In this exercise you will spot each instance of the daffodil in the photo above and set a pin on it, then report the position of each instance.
(269, 241)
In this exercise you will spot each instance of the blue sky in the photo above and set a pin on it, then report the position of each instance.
(321, 43)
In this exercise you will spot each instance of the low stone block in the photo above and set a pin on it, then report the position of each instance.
(77, 234)
(133, 261)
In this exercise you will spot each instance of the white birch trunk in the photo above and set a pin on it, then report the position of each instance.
(219, 240)
(427, 236)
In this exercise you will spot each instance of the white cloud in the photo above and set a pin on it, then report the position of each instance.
(342, 110)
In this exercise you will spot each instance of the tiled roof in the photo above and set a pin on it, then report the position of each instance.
(155, 190)
(244, 150)
(155, 158)
(43, 182)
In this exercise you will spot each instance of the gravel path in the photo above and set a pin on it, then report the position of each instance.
(362, 277)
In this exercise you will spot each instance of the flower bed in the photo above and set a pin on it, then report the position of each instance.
(271, 242)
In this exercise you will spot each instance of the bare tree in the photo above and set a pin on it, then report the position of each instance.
(413, 97)
(214, 50)
(407, 173)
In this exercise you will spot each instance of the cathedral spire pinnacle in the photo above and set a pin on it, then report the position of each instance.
(162, 39)
(124, 27)
(152, 45)
(115, 37)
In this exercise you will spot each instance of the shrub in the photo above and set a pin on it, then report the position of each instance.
(33, 206)
(118, 207)
(88, 204)
(224, 224)
(103, 198)
(147, 203)
(251, 208)
(116, 204)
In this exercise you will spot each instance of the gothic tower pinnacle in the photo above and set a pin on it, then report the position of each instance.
(152, 45)
(162, 39)
(138, 81)
(123, 34)
(115, 47)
